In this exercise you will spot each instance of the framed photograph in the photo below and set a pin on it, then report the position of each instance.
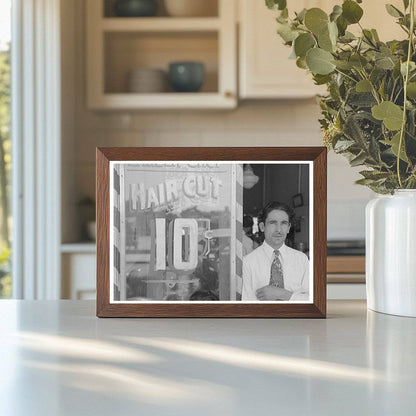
(211, 232)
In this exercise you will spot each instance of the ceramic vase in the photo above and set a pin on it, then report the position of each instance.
(391, 253)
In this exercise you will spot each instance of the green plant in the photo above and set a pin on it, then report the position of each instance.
(369, 113)
(5, 278)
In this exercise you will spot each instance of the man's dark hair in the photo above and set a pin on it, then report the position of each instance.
(203, 295)
(271, 206)
(247, 221)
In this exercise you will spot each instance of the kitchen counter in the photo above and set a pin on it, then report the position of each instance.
(57, 358)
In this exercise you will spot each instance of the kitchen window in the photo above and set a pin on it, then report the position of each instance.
(5, 150)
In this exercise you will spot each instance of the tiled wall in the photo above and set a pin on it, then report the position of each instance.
(289, 123)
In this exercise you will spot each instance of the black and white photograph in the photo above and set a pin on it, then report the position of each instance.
(211, 231)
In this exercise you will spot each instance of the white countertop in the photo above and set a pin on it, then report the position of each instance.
(57, 358)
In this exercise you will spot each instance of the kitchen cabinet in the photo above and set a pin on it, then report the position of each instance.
(265, 70)
(78, 263)
(345, 274)
(118, 45)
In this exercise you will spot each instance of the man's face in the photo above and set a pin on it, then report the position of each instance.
(275, 228)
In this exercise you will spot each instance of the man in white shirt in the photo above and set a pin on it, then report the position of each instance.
(274, 271)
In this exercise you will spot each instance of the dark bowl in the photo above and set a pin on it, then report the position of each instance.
(186, 76)
(136, 8)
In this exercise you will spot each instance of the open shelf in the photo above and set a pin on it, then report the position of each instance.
(210, 9)
(116, 46)
(160, 24)
(127, 51)
(80, 247)
(165, 101)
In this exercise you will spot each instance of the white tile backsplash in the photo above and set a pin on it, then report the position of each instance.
(346, 219)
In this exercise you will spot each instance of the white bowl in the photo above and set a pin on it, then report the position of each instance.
(92, 230)
(146, 80)
(191, 8)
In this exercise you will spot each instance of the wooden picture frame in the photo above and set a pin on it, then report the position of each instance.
(270, 159)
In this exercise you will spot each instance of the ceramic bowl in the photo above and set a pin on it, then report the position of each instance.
(191, 8)
(147, 80)
(186, 76)
(92, 230)
(135, 8)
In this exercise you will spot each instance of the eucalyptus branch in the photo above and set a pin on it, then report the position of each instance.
(406, 79)
(398, 95)
(369, 41)
(392, 90)
(346, 75)
(370, 64)
(373, 89)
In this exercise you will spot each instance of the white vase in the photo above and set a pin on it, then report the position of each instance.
(391, 253)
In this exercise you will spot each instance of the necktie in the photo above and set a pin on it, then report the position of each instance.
(276, 271)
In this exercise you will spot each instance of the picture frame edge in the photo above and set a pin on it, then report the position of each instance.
(104, 155)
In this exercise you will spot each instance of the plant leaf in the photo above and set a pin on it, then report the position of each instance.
(375, 35)
(303, 43)
(276, 4)
(364, 181)
(286, 32)
(363, 86)
(412, 67)
(341, 64)
(390, 113)
(319, 61)
(358, 61)
(321, 79)
(361, 99)
(336, 12)
(342, 25)
(406, 4)
(300, 17)
(343, 145)
(411, 90)
(358, 160)
(385, 63)
(394, 144)
(351, 11)
(393, 11)
(375, 175)
(301, 63)
(374, 150)
(347, 37)
(316, 20)
(324, 42)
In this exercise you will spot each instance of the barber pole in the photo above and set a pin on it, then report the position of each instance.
(116, 231)
(239, 230)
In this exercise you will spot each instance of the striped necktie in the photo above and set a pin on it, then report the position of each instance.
(276, 271)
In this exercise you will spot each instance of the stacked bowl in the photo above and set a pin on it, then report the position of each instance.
(147, 80)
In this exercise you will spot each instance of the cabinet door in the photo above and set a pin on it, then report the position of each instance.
(265, 68)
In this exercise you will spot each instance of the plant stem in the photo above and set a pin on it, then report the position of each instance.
(345, 75)
(406, 79)
(373, 90)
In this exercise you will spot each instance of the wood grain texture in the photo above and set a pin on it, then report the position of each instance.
(317, 309)
(319, 227)
(345, 278)
(103, 231)
(346, 264)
